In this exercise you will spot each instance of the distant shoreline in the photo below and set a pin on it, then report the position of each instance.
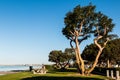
(10, 69)
(20, 64)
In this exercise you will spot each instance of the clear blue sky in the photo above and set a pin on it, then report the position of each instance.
(30, 29)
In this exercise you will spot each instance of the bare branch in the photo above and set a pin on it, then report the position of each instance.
(76, 33)
(72, 33)
(97, 30)
(105, 30)
(105, 42)
(84, 38)
(96, 41)
(72, 40)
(81, 24)
(71, 44)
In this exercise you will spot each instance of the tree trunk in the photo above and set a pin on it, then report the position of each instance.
(108, 63)
(79, 59)
(67, 64)
(95, 62)
(98, 55)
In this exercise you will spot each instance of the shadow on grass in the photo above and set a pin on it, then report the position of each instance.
(59, 78)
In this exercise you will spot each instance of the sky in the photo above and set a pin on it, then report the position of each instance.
(30, 29)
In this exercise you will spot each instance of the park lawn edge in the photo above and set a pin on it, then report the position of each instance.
(23, 75)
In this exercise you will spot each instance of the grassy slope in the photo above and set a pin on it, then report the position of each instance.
(50, 76)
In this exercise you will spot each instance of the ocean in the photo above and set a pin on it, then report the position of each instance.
(16, 67)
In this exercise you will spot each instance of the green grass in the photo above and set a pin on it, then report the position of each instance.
(50, 76)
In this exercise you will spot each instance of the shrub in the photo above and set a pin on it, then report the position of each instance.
(49, 67)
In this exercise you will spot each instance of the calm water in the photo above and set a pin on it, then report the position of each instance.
(16, 67)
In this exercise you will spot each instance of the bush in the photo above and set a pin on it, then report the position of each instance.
(49, 67)
(67, 70)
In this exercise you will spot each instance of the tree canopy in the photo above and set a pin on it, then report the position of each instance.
(62, 59)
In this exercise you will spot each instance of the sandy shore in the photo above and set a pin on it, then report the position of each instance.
(12, 72)
(6, 72)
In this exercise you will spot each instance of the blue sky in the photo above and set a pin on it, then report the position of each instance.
(30, 29)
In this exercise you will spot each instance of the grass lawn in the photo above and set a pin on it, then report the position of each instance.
(50, 76)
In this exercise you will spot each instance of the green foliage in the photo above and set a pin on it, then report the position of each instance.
(49, 67)
(90, 52)
(80, 16)
(62, 59)
(55, 56)
(111, 52)
(92, 22)
(70, 54)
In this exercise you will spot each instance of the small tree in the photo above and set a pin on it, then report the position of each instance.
(55, 56)
(71, 55)
(62, 59)
(80, 24)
